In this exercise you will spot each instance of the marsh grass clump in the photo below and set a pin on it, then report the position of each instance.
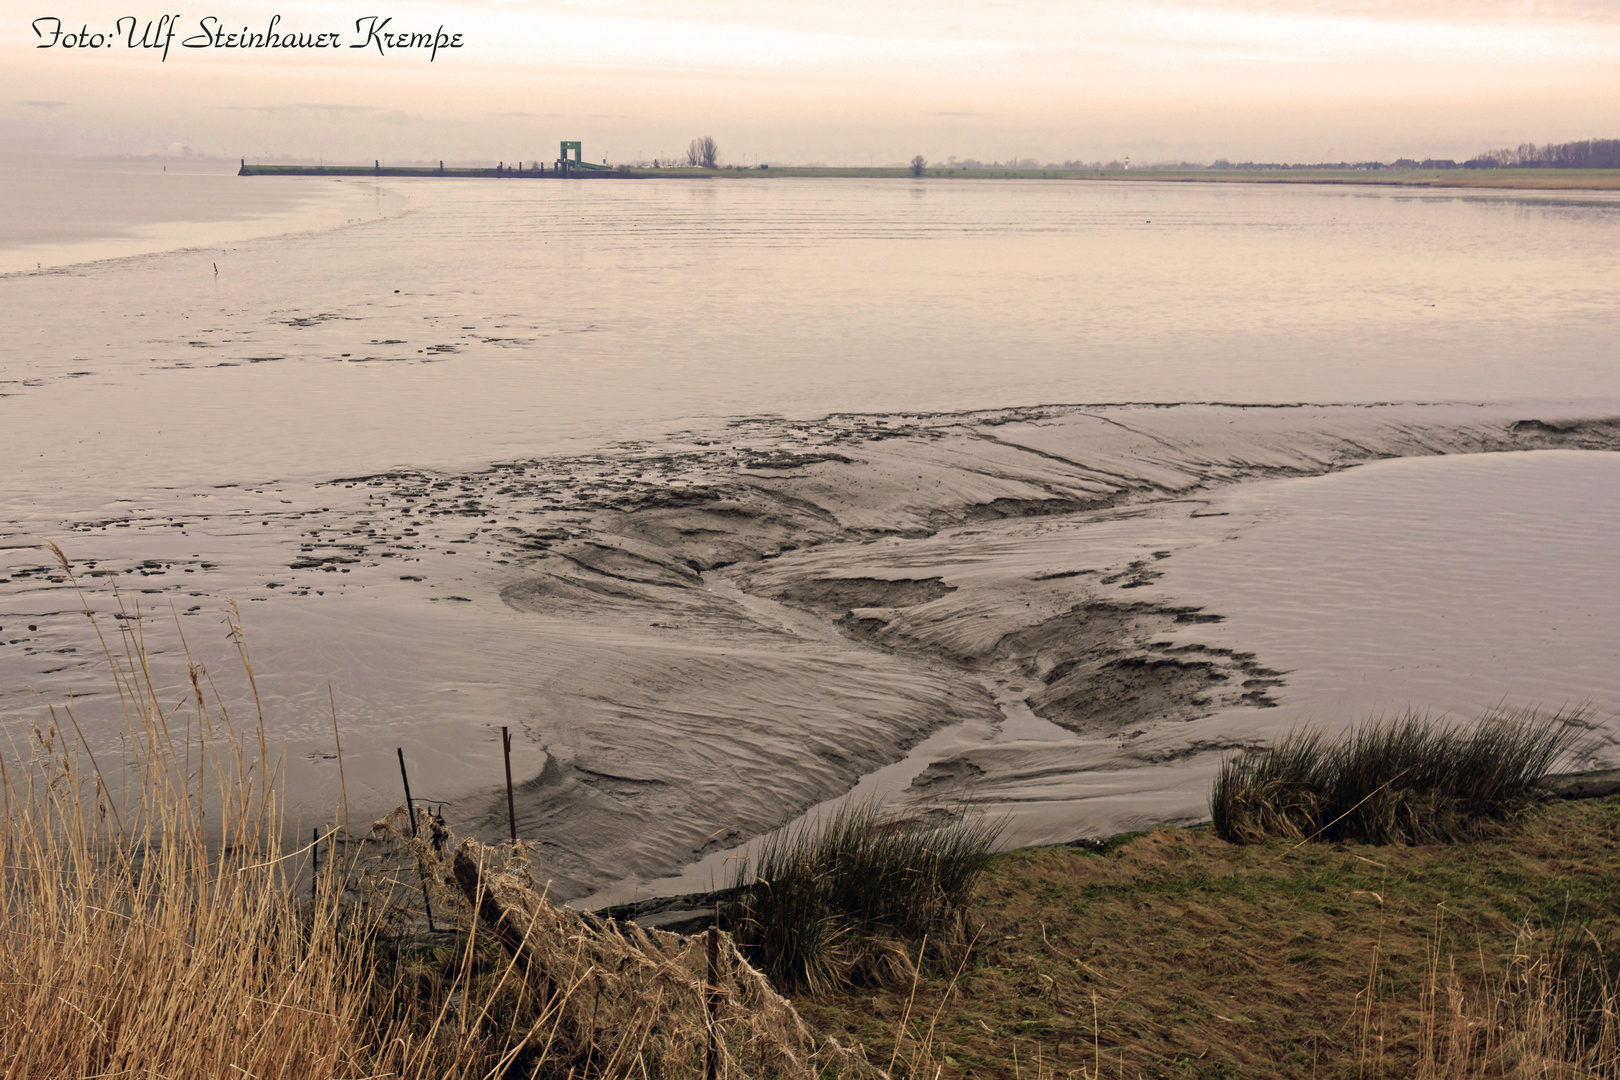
(860, 898)
(1409, 779)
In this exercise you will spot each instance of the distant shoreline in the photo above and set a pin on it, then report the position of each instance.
(1511, 179)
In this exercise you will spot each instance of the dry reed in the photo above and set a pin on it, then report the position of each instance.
(1553, 1013)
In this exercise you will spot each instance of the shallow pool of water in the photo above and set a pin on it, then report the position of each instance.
(1447, 585)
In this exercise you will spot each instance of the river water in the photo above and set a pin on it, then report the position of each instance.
(471, 320)
(197, 367)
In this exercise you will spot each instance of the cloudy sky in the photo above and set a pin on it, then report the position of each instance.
(840, 82)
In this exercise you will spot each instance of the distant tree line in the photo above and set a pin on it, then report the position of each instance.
(1221, 164)
(1589, 154)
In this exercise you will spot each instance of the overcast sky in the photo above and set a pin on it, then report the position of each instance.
(840, 82)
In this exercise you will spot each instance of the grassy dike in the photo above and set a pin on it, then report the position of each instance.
(1523, 179)
(1176, 954)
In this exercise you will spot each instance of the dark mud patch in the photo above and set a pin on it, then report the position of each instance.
(1116, 693)
(1587, 785)
(784, 459)
(1004, 509)
(707, 530)
(841, 596)
(1134, 576)
(552, 592)
(303, 321)
(1090, 629)
(950, 773)
(616, 560)
(1594, 434)
(1100, 666)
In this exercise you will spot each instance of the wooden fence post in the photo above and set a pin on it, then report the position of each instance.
(711, 1007)
(511, 811)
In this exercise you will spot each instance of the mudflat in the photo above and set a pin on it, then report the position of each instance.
(736, 633)
(695, 640)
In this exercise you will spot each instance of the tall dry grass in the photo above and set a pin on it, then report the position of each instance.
(1553, 1013)
(154, 925)
(147, 923)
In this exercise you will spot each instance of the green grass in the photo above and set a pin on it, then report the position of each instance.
(855, 898)
(1409, 779)
(1177, 954)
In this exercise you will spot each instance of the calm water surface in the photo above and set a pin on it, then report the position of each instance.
(62, 211)
(483, 319)
(1446, 585)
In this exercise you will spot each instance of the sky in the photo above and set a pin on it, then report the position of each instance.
(839, 82)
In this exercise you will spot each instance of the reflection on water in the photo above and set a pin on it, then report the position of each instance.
(1443, 584)
(496, 319)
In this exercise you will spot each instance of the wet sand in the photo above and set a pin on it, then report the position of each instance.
(700, 638)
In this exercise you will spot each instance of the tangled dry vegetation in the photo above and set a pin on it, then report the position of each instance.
(176, 956)
(152, 924)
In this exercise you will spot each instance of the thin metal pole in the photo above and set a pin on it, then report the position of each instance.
(410, 812)
(511, 809)
(410, 807)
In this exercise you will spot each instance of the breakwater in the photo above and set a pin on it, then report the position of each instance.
(503, 171)
(1502, 179)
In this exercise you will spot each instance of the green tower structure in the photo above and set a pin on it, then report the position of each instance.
(566, 164)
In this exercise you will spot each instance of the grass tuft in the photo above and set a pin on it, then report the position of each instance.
(1410, 779)
(860, 898)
